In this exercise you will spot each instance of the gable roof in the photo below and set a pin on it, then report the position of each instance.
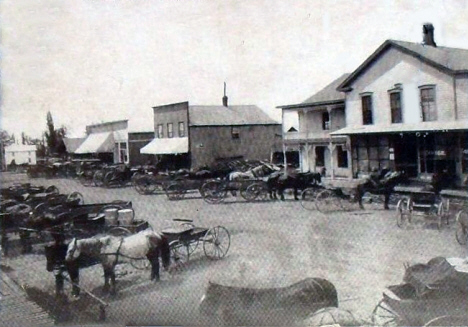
(450, 60)
(231, 115)
(328, 95)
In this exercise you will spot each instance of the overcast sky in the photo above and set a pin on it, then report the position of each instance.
(89, 61)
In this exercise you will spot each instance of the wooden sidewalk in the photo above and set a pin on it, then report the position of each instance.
(16, 309)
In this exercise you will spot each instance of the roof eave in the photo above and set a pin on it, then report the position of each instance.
(313, 104)
(227, 125)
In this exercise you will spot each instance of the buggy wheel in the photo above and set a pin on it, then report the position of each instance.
(448, 321)
(216, 242)
(52, 190)
(326, 201)
(108, 178)
(214, 192)
(75, 197)
(384, 315)
(119, 231)
(98, 177)
(308, 198)
(174, 191)
(252, 191)
(461, 232)
(179, 252)
(39, 209)
(401, 212)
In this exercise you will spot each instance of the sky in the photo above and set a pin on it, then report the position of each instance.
(90, 61)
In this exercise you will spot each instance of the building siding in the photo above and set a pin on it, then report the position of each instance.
(211, 143)
(136, 141)
(173, 113)
(396, 67)
(461, 84)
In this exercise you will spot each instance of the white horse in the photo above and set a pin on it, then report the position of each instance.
(110, 250)
(263, 170)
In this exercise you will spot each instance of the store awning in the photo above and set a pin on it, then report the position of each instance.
(402, 128)
(97, 143)
(166, 146)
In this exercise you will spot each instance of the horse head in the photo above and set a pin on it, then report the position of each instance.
(73, 251)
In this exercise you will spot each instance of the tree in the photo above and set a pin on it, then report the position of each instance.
(54, 138)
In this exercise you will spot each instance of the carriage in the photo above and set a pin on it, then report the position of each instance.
(457, 202)
(421, 201)
(432, 294)
(87, 169)
(216, 191)
(185, 238)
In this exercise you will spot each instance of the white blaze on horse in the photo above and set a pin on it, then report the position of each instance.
(263, 170)
(111, 250)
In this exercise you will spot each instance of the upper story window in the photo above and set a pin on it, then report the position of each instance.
(235, 133)
(367, 117)
(181, 129)
(160, 134)
(395, 107)
(325, 121)
(428, 103)
(170, 131)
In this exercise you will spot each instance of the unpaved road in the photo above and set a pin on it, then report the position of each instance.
(272, 244)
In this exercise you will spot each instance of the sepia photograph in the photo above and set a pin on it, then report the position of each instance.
(233, 163)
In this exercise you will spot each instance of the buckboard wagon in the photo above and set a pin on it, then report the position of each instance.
(432, 294)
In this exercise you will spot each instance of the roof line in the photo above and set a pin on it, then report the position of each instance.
(344, 86)
(313, 104)
(170, 104)
(227, 125)
(108, 123)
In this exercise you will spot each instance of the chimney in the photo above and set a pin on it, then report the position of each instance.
(428, 35)
(225, 98)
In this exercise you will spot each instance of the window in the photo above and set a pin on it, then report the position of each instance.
(181, 129)
(320, 156)
(367, 109)
(160, 131)
(123, 153)
(170, 132)
(428, 104)
(235, 132)
(395, 107)
(325, 121)
(342, 156)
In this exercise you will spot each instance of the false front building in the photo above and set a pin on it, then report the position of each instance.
(194, 136)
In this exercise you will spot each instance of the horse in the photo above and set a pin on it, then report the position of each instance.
(279, 181)
(111, 250)
(263, 170)
(384, 185)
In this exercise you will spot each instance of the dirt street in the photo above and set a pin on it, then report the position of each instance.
(272, 244)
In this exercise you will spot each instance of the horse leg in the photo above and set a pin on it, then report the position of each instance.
(154, 260)
(74, 273)
(112, 277)
(295, 194)
(106, 280)
(387, 200)
(281, 193)
(359, 195)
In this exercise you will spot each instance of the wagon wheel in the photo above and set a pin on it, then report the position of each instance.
(326, 201)
(401, 212)
(251, 192)
(98, 177)
(138, 185)
(461, 232)
(108, 178)
(308, 198)
(52, 190)
(147, 184)
(75, 197)
(214, 192)
(384, 315)
(119, 231)
(216, 242)
(179, 252)
(443, 212)
(175, 191)
(39, 209)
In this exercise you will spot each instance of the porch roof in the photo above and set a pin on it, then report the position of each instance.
(166, 146)
(399, 128)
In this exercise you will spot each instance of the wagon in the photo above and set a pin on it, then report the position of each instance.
(216, 191)
(327, 200)
(432, 294)
(185, 238)
(418, 201)
(177, 189)
(457, 202)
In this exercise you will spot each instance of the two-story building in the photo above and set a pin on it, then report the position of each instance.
(107, 141)
(193, 136)
(318, 116)
(20, 154)
(407, 109)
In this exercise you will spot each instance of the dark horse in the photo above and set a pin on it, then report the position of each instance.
(110, 250)
(382, 183)
(280, 181)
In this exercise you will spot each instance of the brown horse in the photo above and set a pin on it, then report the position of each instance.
(111, 250)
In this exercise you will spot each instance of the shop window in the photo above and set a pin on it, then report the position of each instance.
(160, 134)
(235, 133)
(325, 121)
(342, 156)
(123, 153)
(320, 156)
(427, 155)
(367, 118)
(395, 107)
(428, 104)
(181, 129)
(170, 131)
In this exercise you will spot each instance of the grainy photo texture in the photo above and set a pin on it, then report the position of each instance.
(234, 163)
